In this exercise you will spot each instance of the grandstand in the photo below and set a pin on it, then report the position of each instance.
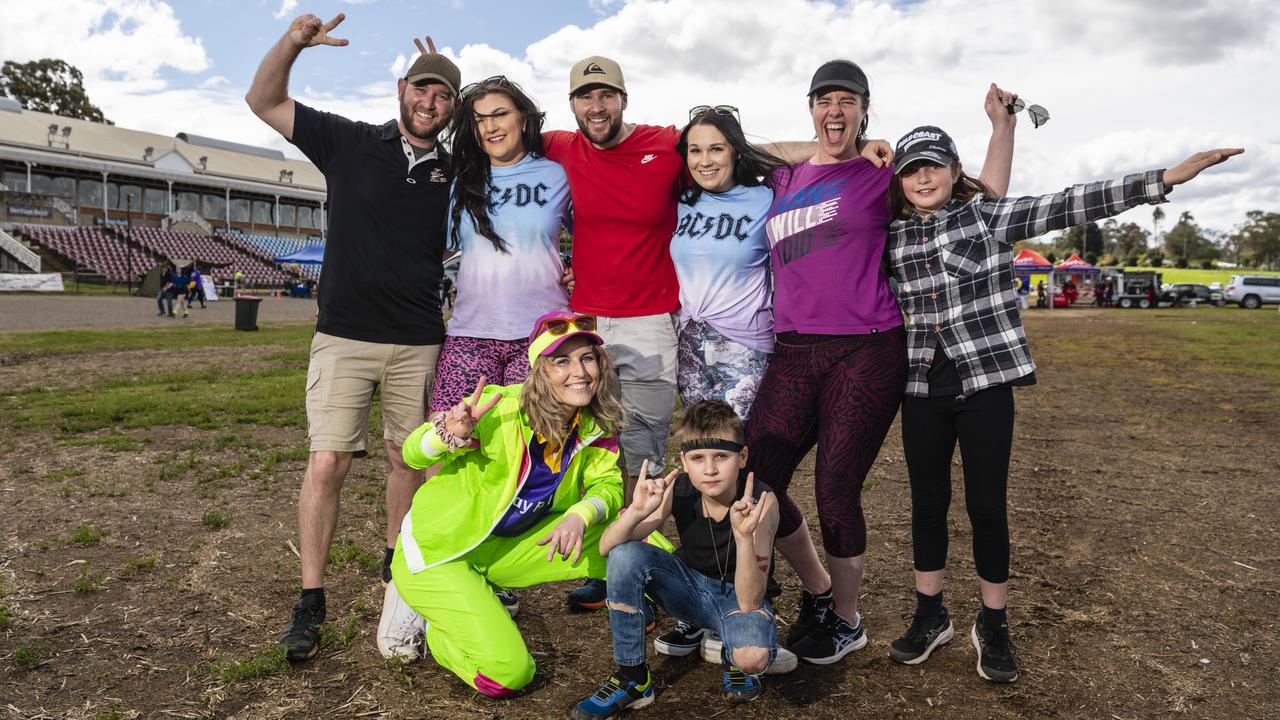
(98, 200)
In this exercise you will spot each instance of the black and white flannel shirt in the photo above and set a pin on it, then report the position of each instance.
(954, 273)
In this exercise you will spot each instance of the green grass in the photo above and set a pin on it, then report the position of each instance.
(1188, 275)
(133, 565)
(88, 583)
(84, 536)
(28, 657)
(346, 551)
(295, 337)
(215, 520)
(6, 619)
(264, 664)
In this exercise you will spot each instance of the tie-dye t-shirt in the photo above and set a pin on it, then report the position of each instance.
(722, 260)
(827, 232)
(501, 294)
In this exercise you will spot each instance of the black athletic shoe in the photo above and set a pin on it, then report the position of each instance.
(813, 608)
(923, 635)
(301, 639)
(831, 641)
(590, 596)
(995, 652)
(682, 640)
(510, 601)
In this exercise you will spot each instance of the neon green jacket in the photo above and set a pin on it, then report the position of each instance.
(459, 507)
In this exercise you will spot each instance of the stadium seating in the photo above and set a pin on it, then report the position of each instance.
(96, 251)
(89, 251)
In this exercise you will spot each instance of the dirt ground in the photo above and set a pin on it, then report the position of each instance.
(1142, 501)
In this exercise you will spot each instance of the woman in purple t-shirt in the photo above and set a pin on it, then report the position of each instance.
(839, 367)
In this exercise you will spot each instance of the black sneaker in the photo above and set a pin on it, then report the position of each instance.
(510, 601)
(831, 641)
(995, 652)
(682, 640)
(813, 608)
(301, 639)
(590, 596)
(923, 635)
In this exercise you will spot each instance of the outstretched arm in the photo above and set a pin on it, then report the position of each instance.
(268, 96)
(998, 166)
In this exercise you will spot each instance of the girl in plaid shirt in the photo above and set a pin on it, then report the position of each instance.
(949, 250)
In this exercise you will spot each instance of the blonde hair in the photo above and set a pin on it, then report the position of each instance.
(550, 418)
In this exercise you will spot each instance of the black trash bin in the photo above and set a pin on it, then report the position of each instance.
(247, 312)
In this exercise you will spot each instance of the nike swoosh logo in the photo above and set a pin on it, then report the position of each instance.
(647, 158)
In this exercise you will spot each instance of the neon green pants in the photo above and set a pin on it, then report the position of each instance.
(469, 632)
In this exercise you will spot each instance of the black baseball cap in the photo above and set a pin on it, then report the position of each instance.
(924, 143)
(841, 74)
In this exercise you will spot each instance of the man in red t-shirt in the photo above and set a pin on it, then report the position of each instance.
(624, 179)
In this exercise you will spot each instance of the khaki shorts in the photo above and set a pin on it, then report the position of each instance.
(341, 378)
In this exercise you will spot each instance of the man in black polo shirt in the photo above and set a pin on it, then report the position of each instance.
(380, 323)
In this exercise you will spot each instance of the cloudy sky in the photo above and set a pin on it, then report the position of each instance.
(1131, 84)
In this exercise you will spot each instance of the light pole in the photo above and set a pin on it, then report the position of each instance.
(128, 233)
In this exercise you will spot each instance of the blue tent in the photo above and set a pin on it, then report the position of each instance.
(309, 255)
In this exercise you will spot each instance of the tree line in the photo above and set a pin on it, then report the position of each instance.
(1254, 243)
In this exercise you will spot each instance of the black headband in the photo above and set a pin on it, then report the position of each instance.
(710, 443)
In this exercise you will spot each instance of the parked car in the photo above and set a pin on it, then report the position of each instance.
(1199, 293)
(1253, 291)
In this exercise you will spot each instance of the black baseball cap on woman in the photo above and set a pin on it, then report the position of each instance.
(841, 74)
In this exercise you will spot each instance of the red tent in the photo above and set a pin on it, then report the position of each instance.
(1030, 261)
(1075, 264)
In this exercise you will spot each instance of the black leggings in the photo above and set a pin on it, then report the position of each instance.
(984, 426)
(840, 392)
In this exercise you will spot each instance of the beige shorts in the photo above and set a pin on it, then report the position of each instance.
(341, 379)
(643, 350)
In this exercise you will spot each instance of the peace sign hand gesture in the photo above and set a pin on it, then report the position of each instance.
(307, 30)
(651, 493)
(745, 514)
(461, 419)
(430, 47)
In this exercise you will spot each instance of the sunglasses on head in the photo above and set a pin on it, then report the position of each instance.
(493, 81)
(699, 110)
(561, 325)
(1039, 115)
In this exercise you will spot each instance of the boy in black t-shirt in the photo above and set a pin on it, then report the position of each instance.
(717, 577)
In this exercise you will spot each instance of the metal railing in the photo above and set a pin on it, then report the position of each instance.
(21, 252)
(181, 216)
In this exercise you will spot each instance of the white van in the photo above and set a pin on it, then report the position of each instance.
(1252, 291)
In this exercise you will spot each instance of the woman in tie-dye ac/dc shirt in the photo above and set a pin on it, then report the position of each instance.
(509, 203)
(722, 261)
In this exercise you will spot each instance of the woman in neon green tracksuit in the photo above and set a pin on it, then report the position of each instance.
(529, 480)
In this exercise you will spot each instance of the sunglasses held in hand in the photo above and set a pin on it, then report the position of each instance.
(1039, 116)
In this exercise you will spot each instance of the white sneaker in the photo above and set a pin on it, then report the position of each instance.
(784, 661)
(401, 628)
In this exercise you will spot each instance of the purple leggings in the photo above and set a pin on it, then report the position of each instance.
(464, 359)
(840, 392)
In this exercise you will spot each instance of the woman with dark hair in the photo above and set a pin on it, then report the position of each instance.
(509, 204)
(839, 366)
(721, 256)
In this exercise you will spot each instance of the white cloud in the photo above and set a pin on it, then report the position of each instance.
(286, 9)
(1131, 85)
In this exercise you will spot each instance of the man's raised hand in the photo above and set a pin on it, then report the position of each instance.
(308, 30)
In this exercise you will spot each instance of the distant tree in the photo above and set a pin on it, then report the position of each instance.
(1091, 257)
(1130, 239)
(1206, 264)
(1051, 257)
(51, 86)
(1187, 241)
(1156, 259)
(1258, 239)
(1156, 216)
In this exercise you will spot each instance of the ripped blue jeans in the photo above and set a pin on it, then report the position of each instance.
(635, 568)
